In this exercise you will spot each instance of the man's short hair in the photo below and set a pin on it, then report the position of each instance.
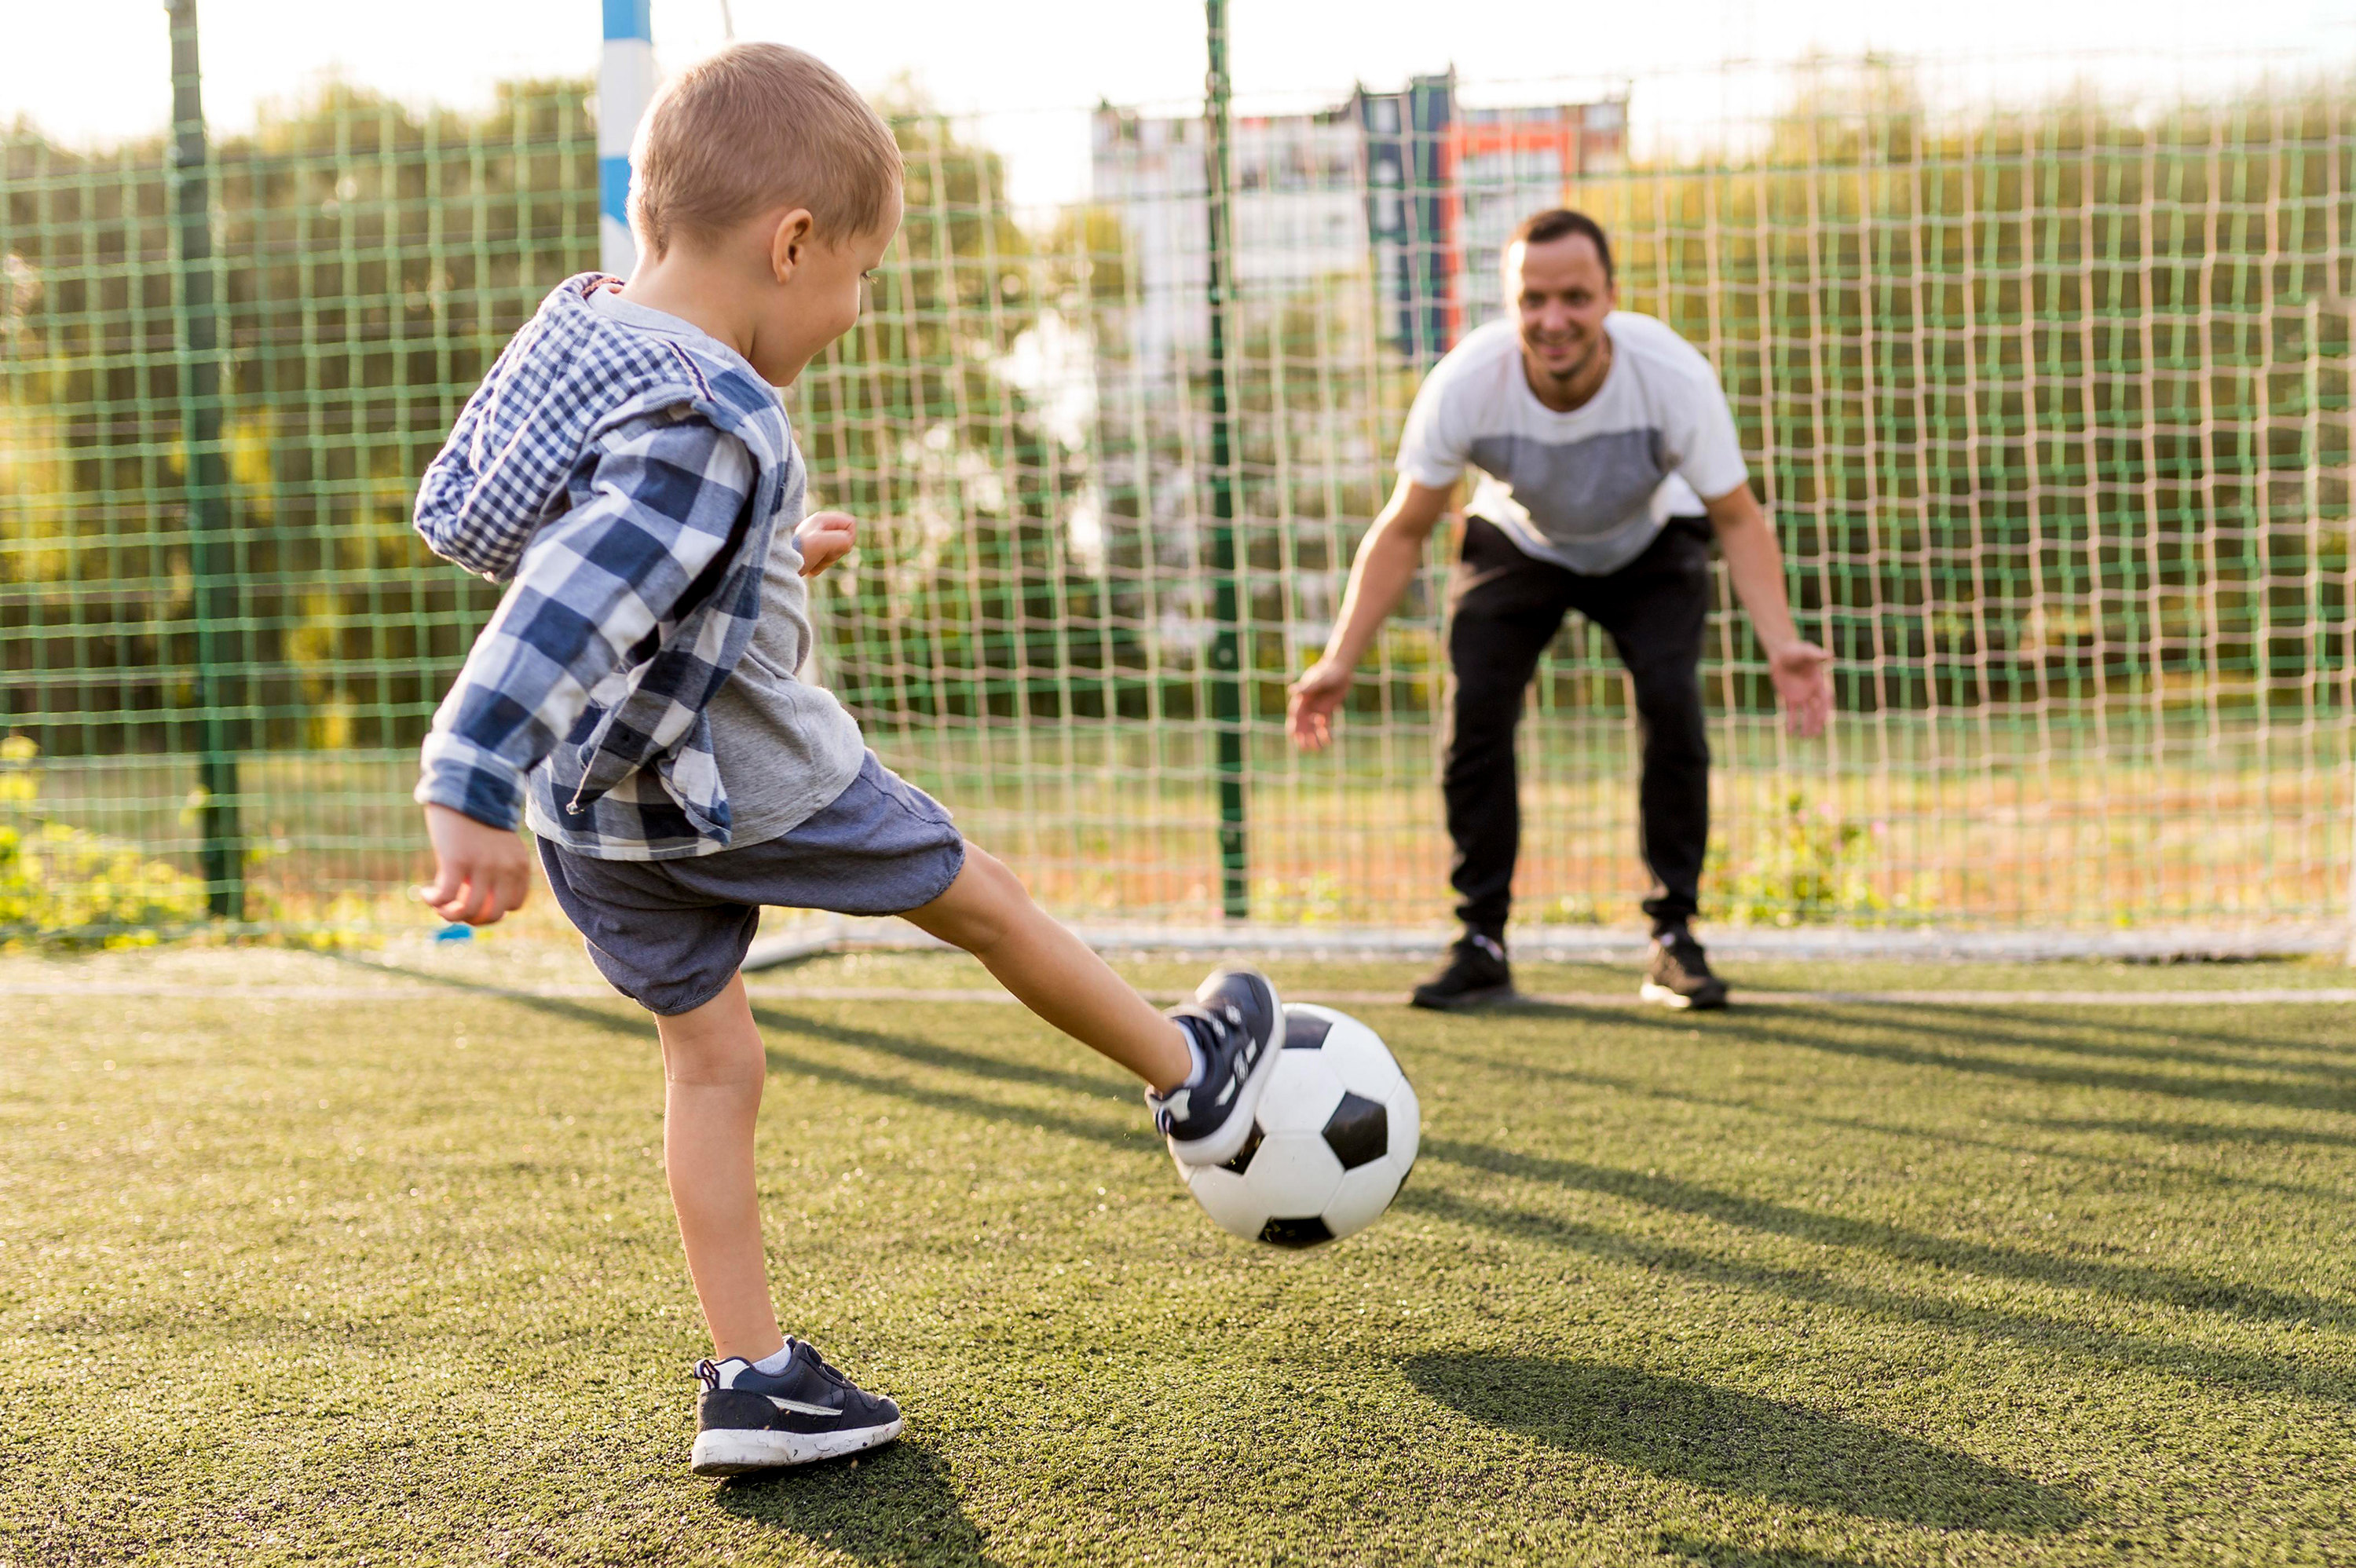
(758, 127)
(1559, 222)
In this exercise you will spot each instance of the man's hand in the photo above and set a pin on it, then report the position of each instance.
(1312, 699)
(480, 872)
(1803, 674)
(1801, 670)
(825, 537)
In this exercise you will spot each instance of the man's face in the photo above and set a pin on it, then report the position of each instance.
(1560, 292)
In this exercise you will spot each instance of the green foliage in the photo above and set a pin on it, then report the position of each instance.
(1811, 866)
(63, 887)
(370, 259)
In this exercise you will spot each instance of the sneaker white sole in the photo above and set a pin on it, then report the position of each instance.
(1234, 1132)
(1653, 991)
(725, 1452)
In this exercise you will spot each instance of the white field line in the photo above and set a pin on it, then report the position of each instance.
(2254, 997)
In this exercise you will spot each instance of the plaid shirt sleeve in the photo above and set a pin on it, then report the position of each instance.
(592, 592)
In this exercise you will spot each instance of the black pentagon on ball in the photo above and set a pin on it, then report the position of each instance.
(1308, 1232)
(1358, 1132)
(1242, 1162)
(1306, 1032)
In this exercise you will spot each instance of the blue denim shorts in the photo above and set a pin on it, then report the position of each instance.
(670, 934)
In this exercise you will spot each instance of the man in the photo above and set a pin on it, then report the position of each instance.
(1608, 458)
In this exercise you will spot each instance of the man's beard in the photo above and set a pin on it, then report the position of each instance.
(1577, 369)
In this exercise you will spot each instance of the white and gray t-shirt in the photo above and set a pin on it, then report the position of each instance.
(1590, 489)
(784, 748)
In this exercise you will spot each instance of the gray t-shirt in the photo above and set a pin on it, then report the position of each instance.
(1591, 488)
(784, 747)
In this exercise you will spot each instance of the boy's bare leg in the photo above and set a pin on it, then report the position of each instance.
(1055, 973)
(713, 1068)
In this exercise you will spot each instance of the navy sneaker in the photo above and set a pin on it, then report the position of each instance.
(752, 1420)
(1237, 1020)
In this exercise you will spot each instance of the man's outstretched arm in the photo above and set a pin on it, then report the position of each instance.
(1801, 671)
(1388, 558)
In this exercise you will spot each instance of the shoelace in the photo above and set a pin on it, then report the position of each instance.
(821, 1363)
(1225, 1021)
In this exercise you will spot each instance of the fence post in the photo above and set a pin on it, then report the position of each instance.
(626, 82)
(211, 551)
(1226, 681)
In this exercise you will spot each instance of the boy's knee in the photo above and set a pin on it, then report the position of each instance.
(716, 1045)
(716, 1064)
(984, 901)
(1001, 890)
(995, 873)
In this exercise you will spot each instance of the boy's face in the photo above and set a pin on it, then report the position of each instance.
(822, 285)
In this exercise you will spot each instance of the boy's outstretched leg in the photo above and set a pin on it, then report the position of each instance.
(766, 1400)
(1204, 1064)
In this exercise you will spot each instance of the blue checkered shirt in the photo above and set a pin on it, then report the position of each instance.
(625, 487)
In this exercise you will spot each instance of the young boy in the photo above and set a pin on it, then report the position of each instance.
(626, 463)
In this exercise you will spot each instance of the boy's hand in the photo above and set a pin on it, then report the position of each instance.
(825, 537)
(480, 872)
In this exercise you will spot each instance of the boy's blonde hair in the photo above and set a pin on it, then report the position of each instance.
(758, 127)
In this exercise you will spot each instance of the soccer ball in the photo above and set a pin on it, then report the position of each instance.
(1335, 1136)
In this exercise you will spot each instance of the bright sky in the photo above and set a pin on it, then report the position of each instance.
(98, 68)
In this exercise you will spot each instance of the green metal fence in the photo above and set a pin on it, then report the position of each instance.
(2051, 403)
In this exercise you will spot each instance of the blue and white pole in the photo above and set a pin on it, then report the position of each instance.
(626, 83)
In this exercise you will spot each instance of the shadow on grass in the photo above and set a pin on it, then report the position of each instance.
(918, 1052)
(1730, 1442)
(2048, 1335)
(1835, 1025)
(634, 1022)
(1638, 1088)
(890, 1506)
(925, 1053)
(2176, 1040)
(945, 1057)
(2195, 1131)
(2135, 1282)
(1727, 1554)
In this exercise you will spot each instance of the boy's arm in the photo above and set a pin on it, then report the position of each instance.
(592, 585)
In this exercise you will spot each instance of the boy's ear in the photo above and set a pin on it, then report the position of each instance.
(787, 242)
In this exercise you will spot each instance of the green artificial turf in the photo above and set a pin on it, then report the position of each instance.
(354, 1278)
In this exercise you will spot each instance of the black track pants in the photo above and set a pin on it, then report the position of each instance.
(1507, 607)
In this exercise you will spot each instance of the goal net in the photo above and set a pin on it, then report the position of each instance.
(2047, 393)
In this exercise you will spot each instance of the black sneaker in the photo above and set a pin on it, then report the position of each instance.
(752, 1420)
(1678, 976)
(1477, 973)
(1237, 1020)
